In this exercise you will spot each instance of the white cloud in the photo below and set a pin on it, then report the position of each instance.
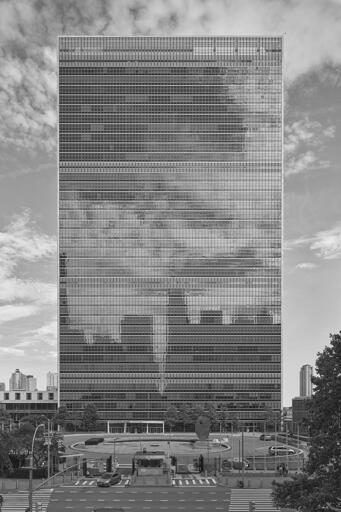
(11, 312)
(304, 140)
(11, 351)
(306, 266)
(41, 336)
(28, 35)
(325, 244)
(22, 242)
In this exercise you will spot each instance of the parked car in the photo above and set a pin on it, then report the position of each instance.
(281, 450)
(108, 479)
(94, 440)
(265, 437)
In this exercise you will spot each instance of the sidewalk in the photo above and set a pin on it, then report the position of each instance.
(263, 480)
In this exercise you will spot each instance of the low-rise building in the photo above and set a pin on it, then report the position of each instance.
(300, 415)
(19, 404)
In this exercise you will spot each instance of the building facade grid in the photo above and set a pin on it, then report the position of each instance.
(170, 204)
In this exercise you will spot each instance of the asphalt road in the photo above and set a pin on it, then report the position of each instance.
(145, 499)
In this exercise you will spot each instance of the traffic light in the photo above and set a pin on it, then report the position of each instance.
(85, 467)
(173, 460)
(109, 464)
(252, 506)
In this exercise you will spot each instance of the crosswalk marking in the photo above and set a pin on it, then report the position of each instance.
(194, 481)
(240, 499)
(18, 502)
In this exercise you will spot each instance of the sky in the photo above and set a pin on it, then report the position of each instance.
(28, 172)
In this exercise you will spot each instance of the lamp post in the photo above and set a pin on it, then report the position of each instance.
(31, 467)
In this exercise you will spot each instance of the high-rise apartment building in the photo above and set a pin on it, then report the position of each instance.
(31, 383)
(170, 190)
(51, 381)
(17, 381)
(306, 373)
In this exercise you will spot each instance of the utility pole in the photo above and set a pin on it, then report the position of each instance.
(243, 468)
(48, 449)
(30, 493)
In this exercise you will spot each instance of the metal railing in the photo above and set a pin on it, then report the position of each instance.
(68, 474)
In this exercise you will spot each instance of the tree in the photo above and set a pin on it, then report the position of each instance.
(211, 413)
(6, 444)
(171, 417)
(62, 416)
(5, 419)
(321, 481)
(189, 413)
(89, 417)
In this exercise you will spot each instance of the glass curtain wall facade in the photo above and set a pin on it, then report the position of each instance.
(170, 190)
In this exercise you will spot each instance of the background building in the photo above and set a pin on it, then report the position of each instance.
(17, 381)
(306, 387)
(31, 383)
(2, 386)
(300, 415)
(51, 381)
(20, 404)
(21, 382)
(170, 186)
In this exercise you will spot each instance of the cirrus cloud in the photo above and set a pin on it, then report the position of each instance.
(325, 244)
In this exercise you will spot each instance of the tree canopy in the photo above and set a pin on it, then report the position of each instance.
(321, 481)
(89, 417)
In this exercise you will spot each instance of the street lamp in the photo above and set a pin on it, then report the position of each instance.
(31, 467)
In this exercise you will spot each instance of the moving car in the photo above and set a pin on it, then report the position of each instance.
(265, 437)
(281, 450)
(108, 479)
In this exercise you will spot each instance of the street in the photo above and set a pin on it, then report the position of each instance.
(140, 499)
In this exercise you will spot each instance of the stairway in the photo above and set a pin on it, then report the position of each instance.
(240, 499)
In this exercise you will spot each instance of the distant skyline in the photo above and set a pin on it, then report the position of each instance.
(28, 171)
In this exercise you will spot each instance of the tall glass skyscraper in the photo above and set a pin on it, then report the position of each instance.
(170, 190)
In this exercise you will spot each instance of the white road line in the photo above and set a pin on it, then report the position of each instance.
(173, 482)
(77, 483)
(84, 483)
(187, 482)
(180, 482)
(201, 482)
(194, 482)
(214, 481)
(92, 482)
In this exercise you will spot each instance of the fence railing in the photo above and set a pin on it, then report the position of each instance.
(67, 475)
